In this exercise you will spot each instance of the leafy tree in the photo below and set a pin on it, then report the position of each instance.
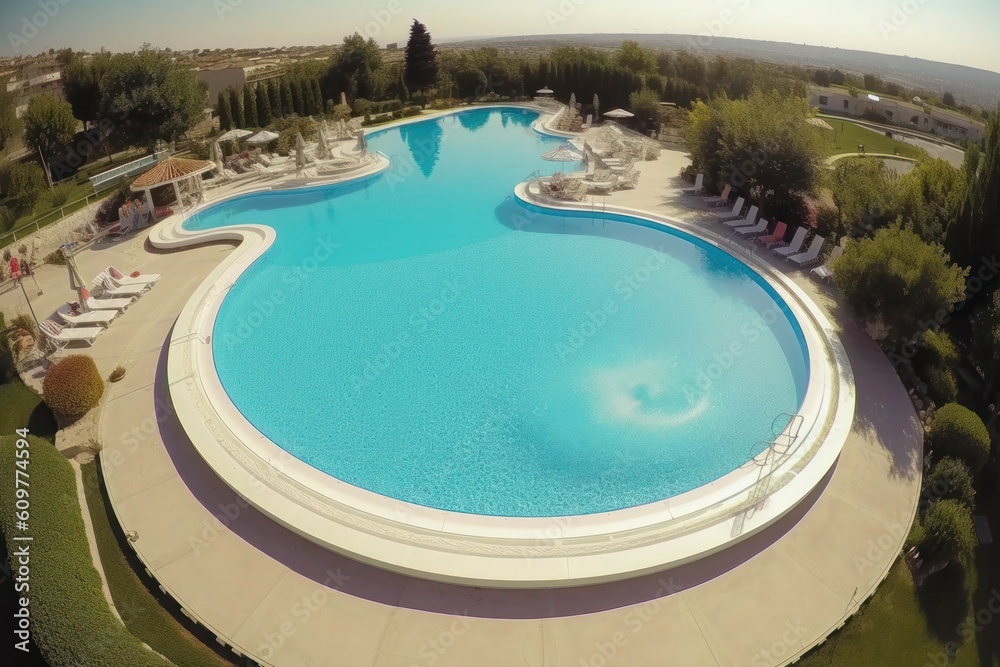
(353, 70)
(760, 147)
(959, 432)
(236, 104)
(151, 97)
(931, 196)
(976, 233)
(49, 124)
(632, 57)
(24, 182)
(821, 77)
(421, 67)
(949, 479)
(864, 192)
(645, 104)
(948, 100)
(899, 279)
(10, 126)
(82, 85)
(263, 105)
(225, 111)
(949, 534)
(250, 106)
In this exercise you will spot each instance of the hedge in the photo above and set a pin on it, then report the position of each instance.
(73, 387)
(959, 432)
(949, 534)
(71, 621)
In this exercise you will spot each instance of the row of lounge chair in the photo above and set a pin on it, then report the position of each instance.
(73, 323)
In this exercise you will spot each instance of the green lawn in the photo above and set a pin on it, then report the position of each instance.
(21, 407)
(144, 614)
(846, 136)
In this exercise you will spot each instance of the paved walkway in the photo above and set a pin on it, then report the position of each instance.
(289, 602)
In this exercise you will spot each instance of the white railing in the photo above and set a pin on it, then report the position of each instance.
(108, 178)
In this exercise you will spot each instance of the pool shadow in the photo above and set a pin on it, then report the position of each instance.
(371, 583)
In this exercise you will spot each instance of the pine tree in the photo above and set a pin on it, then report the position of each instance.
(421, 59)
(250, 106)
(236, 103)
(225, 111)
(274, 94)
(287, 103)
(298, 101)
(318, 95)
(308, 98)
(263, 105)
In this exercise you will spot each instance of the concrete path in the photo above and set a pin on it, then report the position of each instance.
(286, 601)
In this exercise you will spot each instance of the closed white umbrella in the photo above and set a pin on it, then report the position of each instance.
(619, 113)
(362, 142)
(262, 137)
(322, 150)
(217, 156)
(562, 154)
(572, 100)
(597, 105)
(234, 134)
(300, 151)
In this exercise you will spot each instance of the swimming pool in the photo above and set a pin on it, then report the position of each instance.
(424, 337)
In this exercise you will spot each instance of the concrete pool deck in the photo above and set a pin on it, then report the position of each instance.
(286, 601)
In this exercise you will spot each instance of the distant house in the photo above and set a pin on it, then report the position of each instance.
(35, 79)
(394, 46)
(922, 117)
(220, 77)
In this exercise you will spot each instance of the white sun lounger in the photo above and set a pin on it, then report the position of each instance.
(61, 337)
(143, 278)
(109, 304)
(795, 246)
(753, 230)
(825, 272)
(721, 199)
(810, 256)
(101, 318)
(699, 186)
(735, 213)
(749, 219)
(112, 288)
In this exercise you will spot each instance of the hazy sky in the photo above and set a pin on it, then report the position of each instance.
(955, 31)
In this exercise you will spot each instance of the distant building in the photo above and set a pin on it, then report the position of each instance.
(922, 117)
(392, 47)
(35, 79)
(220, 77)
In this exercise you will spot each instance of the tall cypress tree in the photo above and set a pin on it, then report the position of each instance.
(287, 104)
(236, 103)
(263, 105)
(421, 58)
(308, 98)
(274, 94)
(225, 111)
(298, 101)
(250, 106)
(318, 94)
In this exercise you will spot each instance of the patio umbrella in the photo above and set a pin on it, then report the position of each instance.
(820, 123)
(362, 142)
(545, 91)
(563, 155)
(216, 156)
(572, 100)
(618, 113)
(234, 134)
(322, 150)
(300, 151)
(262, 137)
(597, 105)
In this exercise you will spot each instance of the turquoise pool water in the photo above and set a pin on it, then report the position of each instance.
(421, 335)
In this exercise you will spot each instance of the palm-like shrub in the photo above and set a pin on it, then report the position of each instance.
(959, 432)
(73, 387)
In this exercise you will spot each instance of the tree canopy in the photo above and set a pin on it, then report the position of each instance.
(49, 124)
(635, 58)
(82, 85)
(421, 67)
(10, 126)
(354, 67)
(899, 279)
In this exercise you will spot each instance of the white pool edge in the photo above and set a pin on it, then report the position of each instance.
(481, 550)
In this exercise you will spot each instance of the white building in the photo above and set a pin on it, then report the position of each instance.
(33, 80)
(223, 76)
(922, 117)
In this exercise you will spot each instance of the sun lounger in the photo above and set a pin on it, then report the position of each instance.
(100, 318)
(111, 288)
(143, 278)
(735, 213)
(109, 304)
(825, 272)
(753, 230)
(721, 199)
(774, 238)
(749, 219)
(61, 337)
(699, 186)
(810, 256)
(795, 246)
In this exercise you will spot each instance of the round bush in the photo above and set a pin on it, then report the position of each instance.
(957, 431)
(948, 532)
(73, 387)
(950, 480)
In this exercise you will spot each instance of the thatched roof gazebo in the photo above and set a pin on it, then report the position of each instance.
(173, 171)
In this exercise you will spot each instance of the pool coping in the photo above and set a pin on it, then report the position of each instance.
(471, 549)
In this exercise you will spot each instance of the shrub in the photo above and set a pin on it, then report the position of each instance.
(7, 368)
(200, 150)
(73, 387)
(341, 112)
(942, 387)
(949, 534)
(71, 621)
(950, 480)
(7, 218)
(56, 257)
(959, 432)
(24, 183)
(59, 195)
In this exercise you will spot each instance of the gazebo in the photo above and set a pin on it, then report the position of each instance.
(173, 171)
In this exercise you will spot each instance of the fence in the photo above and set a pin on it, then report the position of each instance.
(55, 215)
(108, 178)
